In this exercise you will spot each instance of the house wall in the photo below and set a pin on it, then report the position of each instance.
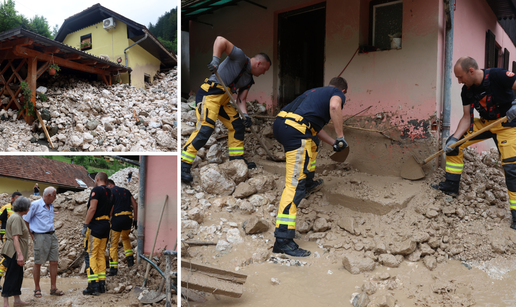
(400, 85)
(10, 185)
(112, 43)
(472, 20)
(161, 181)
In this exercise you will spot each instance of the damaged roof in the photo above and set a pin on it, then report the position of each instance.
(43, 170)
(135, 31)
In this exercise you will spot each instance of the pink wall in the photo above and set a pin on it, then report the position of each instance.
(472, 20)
(161, 181)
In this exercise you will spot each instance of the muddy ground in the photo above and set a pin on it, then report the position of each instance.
(398, 242)
(70, 210)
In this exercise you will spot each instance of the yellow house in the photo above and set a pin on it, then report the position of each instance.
(104, 33)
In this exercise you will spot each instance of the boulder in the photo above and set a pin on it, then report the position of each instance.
(243, 190)
(255, 225)
(214, 181)
(356, 263)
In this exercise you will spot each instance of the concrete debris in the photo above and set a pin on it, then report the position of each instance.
(84, 115)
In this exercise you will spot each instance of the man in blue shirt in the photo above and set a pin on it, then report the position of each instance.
(298, 127)
(40, 222)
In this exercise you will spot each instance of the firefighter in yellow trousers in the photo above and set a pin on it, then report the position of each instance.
(5, 213)
(122, 219)
(96, 231)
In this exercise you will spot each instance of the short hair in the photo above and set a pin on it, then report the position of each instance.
(16, 194)
(264, 57)
(339, 83)
(49, 190)
(466, 63)
(111, 182)
(21, 204)
(102, 176)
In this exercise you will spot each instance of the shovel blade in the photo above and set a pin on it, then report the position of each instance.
(152, 297)
(412, 170)
(340, 156)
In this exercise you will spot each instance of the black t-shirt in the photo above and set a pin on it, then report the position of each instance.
(36, 189)
(130, 175)
(121, 199)
(100, 228)
(315, 106)
(500, 88)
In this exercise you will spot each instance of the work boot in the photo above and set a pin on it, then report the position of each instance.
(186, 176)
(93, 289)
(102, 286)
(130, 261)
(289, 247)
(313, 186)
(513, 225)
(250, 165)
(448, 187)
(112, 271)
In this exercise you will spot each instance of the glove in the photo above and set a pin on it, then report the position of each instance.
(214, 64)
(84, 229)
(511, 113)
(449, 142)
(340, 144)
(135, 224)
(248, 122)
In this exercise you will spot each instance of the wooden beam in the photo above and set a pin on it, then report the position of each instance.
(17, 42)
(43, 68)
(72, 56)
(88, 62)
(30, 53)
(52, 49)
(102, 66)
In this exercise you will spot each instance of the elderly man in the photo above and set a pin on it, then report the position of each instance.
(96, 232)
(40, 222)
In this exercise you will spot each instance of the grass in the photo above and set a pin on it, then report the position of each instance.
(93, 164)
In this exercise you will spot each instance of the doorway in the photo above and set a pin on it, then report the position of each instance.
(301, 37)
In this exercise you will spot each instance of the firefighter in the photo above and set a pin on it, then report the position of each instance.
(122, 219)
(490, 92)
(298, 127)
(212, 102)
(96, 232)
(5, 213)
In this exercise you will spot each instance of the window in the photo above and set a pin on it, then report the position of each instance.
(381, 25)
(146, 78)
(86, 42)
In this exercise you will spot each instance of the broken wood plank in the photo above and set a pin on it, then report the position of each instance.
(211, 280)
(195, 242)
(43, 126)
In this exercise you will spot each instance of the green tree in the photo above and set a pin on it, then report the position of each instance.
(8, 16)
(39, 24)
(55, 29)
(165, 30)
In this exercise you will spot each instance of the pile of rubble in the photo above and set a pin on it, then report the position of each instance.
(82, 115)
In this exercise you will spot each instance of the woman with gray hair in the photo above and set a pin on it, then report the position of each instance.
(15, 251)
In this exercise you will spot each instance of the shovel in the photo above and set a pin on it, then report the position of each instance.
(341, 155)
(412, 169)
(234, 104)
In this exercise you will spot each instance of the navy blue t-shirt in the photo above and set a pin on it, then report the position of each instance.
(500, 86)
(315, 106)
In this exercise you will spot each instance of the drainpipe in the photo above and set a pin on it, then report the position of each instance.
(448, 62)
(141, 205)
(125, 52)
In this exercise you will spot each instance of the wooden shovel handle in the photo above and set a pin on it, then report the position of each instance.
(467, 138)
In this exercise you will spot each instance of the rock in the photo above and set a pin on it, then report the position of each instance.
(243, 190)
(420, 237)
(92, 124)
(215, 154)
(233, 236)
(321, 225)
(257, 200)
(214, 181)
(348, 224)
(303, 226)
(415, 256)
(45, 114)
(108, 127)
(383, 301)
(361, 300)
(246, 207)
(262, 183)
(255, 225)
(356, 263)
(498, 244)
(260, 256)
(404, 248)
(80, 210)
(275, 281)
(196, 214)
(166, 140)
(236, 170)
(223, 245)
(81, 198)
(389, 260)
(369, 287)
(430, 262)
(58, 224)
(75, 141)
(189, 224)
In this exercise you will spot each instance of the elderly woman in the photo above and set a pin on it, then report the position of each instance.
(15, 251)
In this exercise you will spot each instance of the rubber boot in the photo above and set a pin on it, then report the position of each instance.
(93, 289)
(513, 225)
(448, 187)
(289, 247)
(313, 186)
(130, 261)
(250, 165)
(186, 175)
(113, 271)
(102, 286)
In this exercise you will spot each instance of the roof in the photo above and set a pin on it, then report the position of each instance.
(43, 170)
(41, 42)
(191, 9)
(135, 31)
(503, 9)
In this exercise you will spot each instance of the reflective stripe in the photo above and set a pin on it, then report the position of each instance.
(286, 219)
(298, 164)
(2, 231)
(187, 156)
(454, 167)
(236, 150)
(312, 165)
(128, 252)
(93, 277)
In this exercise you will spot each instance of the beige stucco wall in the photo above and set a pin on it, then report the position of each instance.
(10, 185)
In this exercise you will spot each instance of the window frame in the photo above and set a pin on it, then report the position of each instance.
(83, 39)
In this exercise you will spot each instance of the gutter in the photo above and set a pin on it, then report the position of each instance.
(448, 62)
(125, 53)
(141, 206)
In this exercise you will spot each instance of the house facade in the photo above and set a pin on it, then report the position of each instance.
(399, 83)
(102, 32)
